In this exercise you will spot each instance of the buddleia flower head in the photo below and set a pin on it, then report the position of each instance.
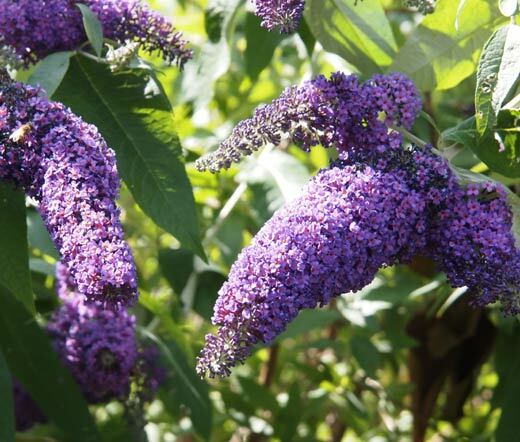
(36, 29)
(350, 221)
(67, 167)
(338, 112)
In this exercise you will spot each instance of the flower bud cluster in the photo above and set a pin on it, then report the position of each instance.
(36, 29)
(280, 14)
(66, 166)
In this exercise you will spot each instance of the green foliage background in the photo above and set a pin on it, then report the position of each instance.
(403, 357)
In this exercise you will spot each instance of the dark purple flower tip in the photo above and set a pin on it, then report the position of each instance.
(67, 167)
(473, 243)
(338, 112)
(36, 29)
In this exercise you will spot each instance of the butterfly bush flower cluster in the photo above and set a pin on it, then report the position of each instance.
(351, 220)
(381, 203)
(66, 166)
(37, 28)
(100, 349)
(339, 112)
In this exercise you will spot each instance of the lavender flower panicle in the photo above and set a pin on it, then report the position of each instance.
(351, 220)
(64, 164)
(100, 348)
(473, 243)
(36, 29)
(283, 14)
(337, 112)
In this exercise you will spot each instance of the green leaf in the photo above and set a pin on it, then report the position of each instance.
(308, 320)
(366, 354)
(186, 387)
(133, 114)
(7, 425)
(208, 285)
(257, 395)
(32, 360)
(93, 28)
(14, 256)
(306, 35)
(508, 7)
(38, 236)
(50, 71)
(498, 72)
(361, 33)
(499, 150)
(214, 57)
(437, 55)
(260, 46)
(290, 416)
(176, 266)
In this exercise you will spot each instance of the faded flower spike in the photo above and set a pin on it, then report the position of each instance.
(66, 166)
(280, 14)
(350, 221)
(37, 28)
(338, 112)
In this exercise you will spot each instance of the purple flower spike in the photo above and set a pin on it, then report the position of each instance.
(64, 164)
(338, 112)
(98, 346)
(37, 28)
(283, 14)
(350, 221)
(474, 245)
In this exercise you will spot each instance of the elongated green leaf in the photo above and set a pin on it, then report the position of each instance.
(6, 397)
(366, 354)
(437, 55)
(360, 33)
(93, 28)
(38, 236)
(14, 257)
(136, 119)
(186, 387)
(498, 72)
(260, 46)
(49, 72)
(32, 360)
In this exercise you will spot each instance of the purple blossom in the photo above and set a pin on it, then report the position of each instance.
(64, 164)
(473, 243)
(283, 14)
(98, 346)
(26, 411)
(37, 28)
(338, 112)
(351, 220)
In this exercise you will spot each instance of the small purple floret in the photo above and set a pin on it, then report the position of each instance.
(280, 14)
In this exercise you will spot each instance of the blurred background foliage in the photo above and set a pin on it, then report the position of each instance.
(404, 359)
